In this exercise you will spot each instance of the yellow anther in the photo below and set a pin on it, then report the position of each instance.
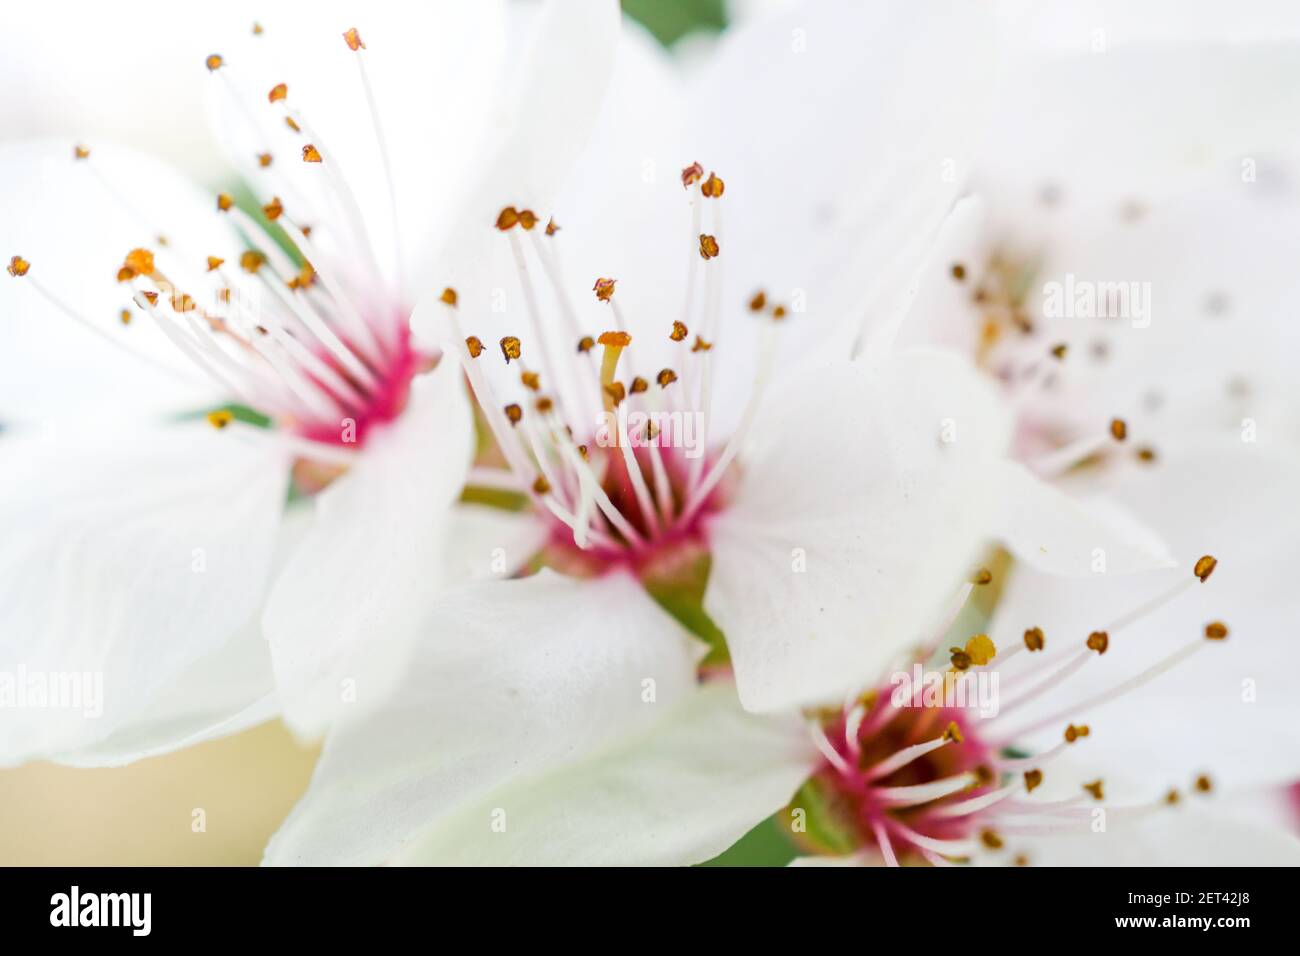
(960, 659)
(1173, 796)
(666, 377)
(679, 332)
(527, 219)
(1118, 429)
(305, 277)
(80, 152)
(213, 62)
(1204, 567)
(531, 381)
(1058, 351)
(616, 392)
(1032, 779)
(604, 289)
(700, 345)
(952, 733)
(708, 246)
(981, 649)
(214, 263)
(140, 261)
(981, 576)
(274, 209)
(638, 385)
(507, 218)
(991, 839)
(290, 122)
(544, 405)
(540, 485)
(510, 348)
(220, 418)
(475, 346)
(692, 174)
(984, 776)
(1204, 784)
(264, 160)
(618, 340)
(586, 343)
(278, 93)
(448, 296)
(1097, 789)
(250, 260)
(1073, 733)
(1034, 639)
(310, 154)
(224, 202)
(958, 271)
(779, 312)
(514, 413)
(1216, 630)
(759, 300)
(1146, 454)
(125, 316)
(713, 187)
(1098, 641)
(551, 227)
(353, 39)
(18, 266)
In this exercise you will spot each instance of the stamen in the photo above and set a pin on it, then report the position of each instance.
(353, 40)
(908, 754)
(823, 744)
(882, 840)
(1143, 677)
(916, 794)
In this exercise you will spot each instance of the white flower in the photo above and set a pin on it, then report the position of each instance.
(144, 551)
(1127, 275)
(831, 509)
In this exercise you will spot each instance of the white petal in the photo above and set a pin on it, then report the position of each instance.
(484, 542)
(435, 70)
(1056, 534)
(1178, 836)
(71, 90)
(679, 793)
(548, 114)
(61, 217)
(1229, 710)
(510, 680)
(850, 475)
(224, 693)
(352, 597)
(795, 124)
(133, 557)
(1204, 94)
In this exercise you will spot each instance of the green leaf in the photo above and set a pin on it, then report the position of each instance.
(670, 20)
